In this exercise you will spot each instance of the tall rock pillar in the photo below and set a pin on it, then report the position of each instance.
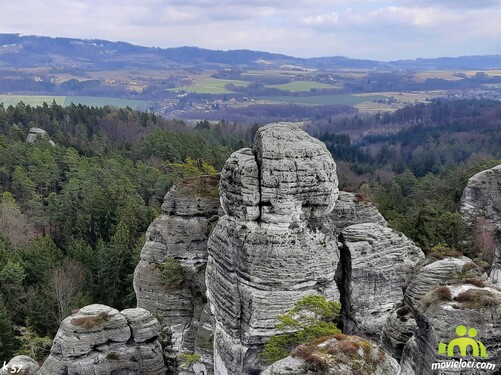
(274, 245)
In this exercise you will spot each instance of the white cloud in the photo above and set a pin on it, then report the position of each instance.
(379, 29)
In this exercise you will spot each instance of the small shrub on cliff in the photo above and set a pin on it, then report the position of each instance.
(90, 321)
(441, 251)
(173, 274)
(477, 298)
(189, 359)
(439, 293)
(310, 318)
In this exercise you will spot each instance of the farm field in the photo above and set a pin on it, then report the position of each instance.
(325, 99)
(297, 86)
(95, 101)
(211, 86)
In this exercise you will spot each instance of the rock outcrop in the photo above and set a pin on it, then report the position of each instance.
(35, 133)
(274, 245)
(178, 239)
(342, 354)
(443, 295)
(481, 209)
(352, 209)
(101, 340)
(21, 365)
(375, 263)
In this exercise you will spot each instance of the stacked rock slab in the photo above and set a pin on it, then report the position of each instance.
(99, 340)
(189, 212)
(482, 200)
(352, 209)
(445, 294)
(274, 245)
(376, 261)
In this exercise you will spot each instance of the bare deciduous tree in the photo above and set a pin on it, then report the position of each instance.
(66, 281)
(14, 225)
(484, 239)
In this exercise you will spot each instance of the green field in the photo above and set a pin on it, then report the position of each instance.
(301, 86)
(325, 99)
(92, 101)
(211, 86)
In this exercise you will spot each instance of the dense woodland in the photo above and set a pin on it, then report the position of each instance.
(73, 215)
(415, 163)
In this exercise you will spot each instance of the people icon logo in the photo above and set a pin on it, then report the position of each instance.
(477, 348)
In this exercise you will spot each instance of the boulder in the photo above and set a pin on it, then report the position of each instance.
(21, 364)
(101, 340)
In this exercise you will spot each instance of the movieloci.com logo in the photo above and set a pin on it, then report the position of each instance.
(477, 348)
(463, 342)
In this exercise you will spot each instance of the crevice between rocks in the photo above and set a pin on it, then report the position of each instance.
(343, 282)
(259, 167)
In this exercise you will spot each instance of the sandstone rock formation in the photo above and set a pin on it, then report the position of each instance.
(375, 263)
(21, 365)
(343, 354)
(351, 209)
(179, 237)
(444, 294)
(481, 204)
(274, 245)
(35, 133)
(101, 340)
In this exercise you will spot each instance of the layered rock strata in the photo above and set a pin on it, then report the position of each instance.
(35, 133)
(99, 340)
(274, 245)
(21, 365)
(179, 238)
(376, 261)
(481, 209)
(443, 295)
(352, 209)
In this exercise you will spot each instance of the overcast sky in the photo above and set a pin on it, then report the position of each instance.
(374, 29)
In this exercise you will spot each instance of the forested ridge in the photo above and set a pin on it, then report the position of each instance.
(73, 215)
(415, 163)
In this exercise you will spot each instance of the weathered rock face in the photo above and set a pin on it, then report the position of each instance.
(21, 365)
(347, 355)
(443, 295)
(375, 263)
(350, 209)
(179, 235)
(482, 200)
(398, 329)
(101, 340)
(35, 133)
(274, 245)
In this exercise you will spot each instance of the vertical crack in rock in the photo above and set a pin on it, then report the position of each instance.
(343, 282)
(259, 178)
